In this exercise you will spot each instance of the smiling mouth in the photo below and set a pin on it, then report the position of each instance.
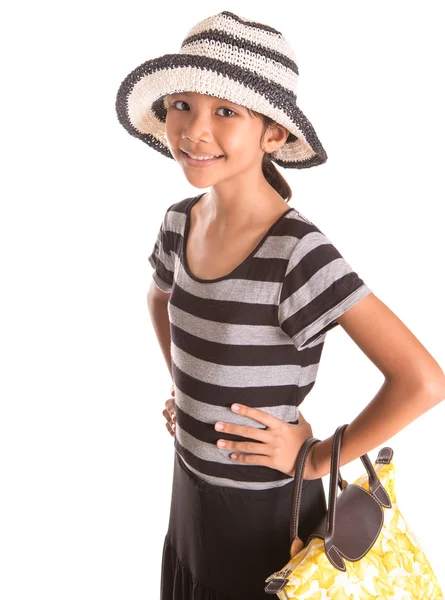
(193, 162)
(213, 158)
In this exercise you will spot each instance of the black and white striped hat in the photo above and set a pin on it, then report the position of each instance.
(230, 57)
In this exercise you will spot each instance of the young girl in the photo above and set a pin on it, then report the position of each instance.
(245, 290)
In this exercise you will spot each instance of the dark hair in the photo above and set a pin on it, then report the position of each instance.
(270, 172)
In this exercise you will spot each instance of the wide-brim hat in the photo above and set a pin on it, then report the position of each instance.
(233, 58)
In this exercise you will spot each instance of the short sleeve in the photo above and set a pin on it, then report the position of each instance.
(319, 285)
(162, 260)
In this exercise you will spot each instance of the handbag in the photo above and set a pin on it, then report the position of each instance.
(362, 548)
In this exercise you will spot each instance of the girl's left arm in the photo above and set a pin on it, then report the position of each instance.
(414, 382)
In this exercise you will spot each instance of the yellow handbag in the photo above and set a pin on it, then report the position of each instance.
(362, 548)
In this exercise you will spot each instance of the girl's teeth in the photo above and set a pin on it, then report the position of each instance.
(202, 158)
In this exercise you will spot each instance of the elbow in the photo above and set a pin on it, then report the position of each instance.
(430, 388)
(434, 382)
(434, 389)
(437, 390)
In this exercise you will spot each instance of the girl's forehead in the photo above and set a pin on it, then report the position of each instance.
(202, 97)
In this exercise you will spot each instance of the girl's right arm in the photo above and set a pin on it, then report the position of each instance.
(157, 307)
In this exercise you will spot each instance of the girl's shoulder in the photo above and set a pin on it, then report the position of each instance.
(297, 226)
(175, 214)
(304, 237)
(181, 206)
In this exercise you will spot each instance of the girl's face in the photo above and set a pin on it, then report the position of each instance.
(206, 125)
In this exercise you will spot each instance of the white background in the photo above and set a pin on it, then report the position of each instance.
(86, 460)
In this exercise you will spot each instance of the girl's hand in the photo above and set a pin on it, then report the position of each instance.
(169, 412)
(277, 446)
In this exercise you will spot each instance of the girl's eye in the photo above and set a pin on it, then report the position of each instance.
(176, 102)
(232, 111)
(173, 104)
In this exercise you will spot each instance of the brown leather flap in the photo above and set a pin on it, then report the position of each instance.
(359, 520)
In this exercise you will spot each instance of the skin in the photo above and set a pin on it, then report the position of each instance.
(413, 381)
(240, 196)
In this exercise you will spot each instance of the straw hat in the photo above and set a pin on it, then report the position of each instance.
(230, 57)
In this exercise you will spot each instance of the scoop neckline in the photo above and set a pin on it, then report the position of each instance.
(238, 267)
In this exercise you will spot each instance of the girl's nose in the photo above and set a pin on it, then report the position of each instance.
(197, 129)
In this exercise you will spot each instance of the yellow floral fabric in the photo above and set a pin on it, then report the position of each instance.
(395, 568)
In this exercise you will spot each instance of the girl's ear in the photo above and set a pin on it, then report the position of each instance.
(276, 136)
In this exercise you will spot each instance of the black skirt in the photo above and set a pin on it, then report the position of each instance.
(222, 543)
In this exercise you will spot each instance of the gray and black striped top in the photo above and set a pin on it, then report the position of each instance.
(254, 336)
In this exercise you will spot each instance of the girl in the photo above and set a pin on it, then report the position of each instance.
(244, 292)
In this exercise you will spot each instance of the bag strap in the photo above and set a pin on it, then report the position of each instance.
(335, 478)
(335, 468)
(298, 485)
(375, 486)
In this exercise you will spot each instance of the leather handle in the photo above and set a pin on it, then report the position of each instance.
(298, 485)
(374, 481)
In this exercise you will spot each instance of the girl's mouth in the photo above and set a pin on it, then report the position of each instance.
(200, 163)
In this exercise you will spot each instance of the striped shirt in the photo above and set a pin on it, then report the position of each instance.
(253, 336)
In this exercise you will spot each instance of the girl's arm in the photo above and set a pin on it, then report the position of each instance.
(157, 301)
(414, 382)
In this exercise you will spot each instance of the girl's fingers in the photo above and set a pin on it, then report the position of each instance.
(170, 430)
(170, 408)
(170, 416)
(170, 413)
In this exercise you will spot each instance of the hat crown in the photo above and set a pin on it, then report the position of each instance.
(248, 44)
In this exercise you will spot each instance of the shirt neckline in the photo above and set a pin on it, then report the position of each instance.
(238, 267)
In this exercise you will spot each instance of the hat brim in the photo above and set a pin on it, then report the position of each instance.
(141, 110)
